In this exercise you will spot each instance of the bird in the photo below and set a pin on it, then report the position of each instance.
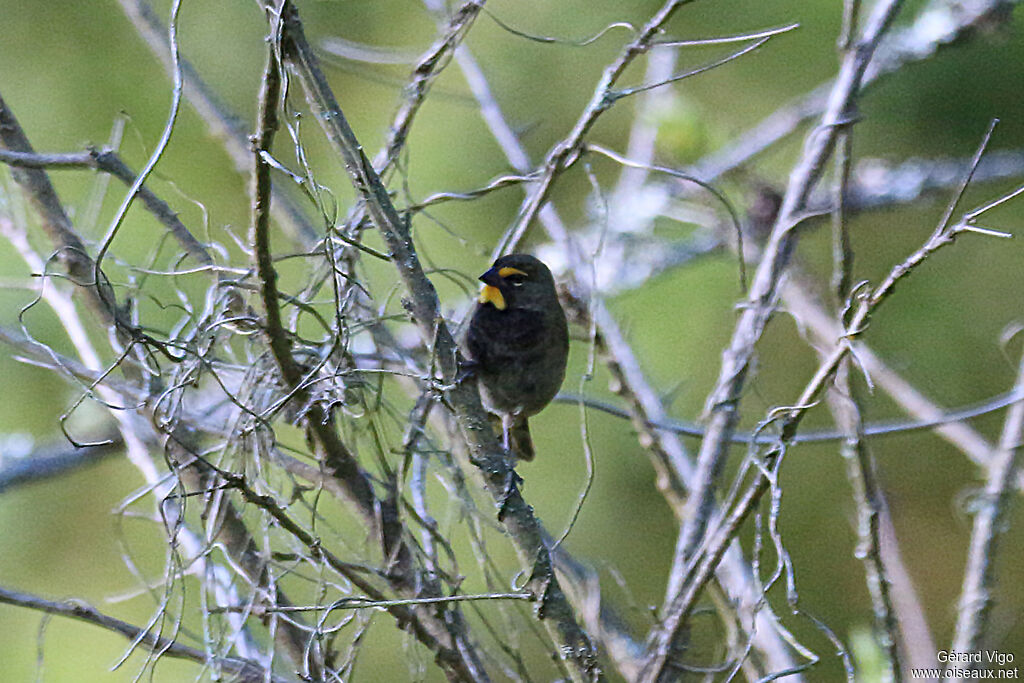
(518, 345)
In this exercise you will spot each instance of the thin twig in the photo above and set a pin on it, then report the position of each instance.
(948, 424)
(931, 415)
(223, 124)
(71, 251)
(426, 72)
(108, 161)
(244, 669)
(363, 602)
(158, 150)
(845, 404)
(47, 463)
(565, 151)
(870, 503)
(428, 68)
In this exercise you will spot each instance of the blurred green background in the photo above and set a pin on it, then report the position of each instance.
(69, 70)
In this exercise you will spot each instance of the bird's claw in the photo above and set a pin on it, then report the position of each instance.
(510, 495)
(466, 369)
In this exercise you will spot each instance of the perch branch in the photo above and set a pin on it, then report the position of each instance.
(454, 655)
(665, 450)
(572, 642)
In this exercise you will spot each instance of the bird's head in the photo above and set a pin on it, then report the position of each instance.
(518, 281)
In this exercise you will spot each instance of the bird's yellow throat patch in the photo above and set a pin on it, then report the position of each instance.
(493, 296)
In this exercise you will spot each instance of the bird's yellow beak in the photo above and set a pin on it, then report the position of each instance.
(492, 295)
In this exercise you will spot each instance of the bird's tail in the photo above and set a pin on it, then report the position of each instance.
(519, 440)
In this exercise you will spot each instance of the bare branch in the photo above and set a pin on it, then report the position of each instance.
(108, 161)
(502, 482)
(564, 153)
(245, 670)
(66, 241)
(53, 461)
(870, 502)
(667, 452)
(741, 504)
(71, 251)
(427, 70)
(938, 25)
(722, 405)
(993, 506)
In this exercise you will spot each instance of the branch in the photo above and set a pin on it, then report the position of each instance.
(825, 329)
(454, 654)
(108, 161)
(931, 416)
(71, 252)
(572, 642)
(244, 669)
(428, 68)
(564, 153)
(920, 40)
(663, 447)
(722, 405)
(199, 475)
(223, 124)
(870, 504)
(989, 524)
(53, 461)
(36, 184)
(742, 504)
(456, 664)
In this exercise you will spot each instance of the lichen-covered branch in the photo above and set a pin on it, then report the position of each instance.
(572, 642)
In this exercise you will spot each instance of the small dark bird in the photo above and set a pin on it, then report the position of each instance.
(518, 341)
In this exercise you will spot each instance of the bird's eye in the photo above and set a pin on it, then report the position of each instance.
(515, 279)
